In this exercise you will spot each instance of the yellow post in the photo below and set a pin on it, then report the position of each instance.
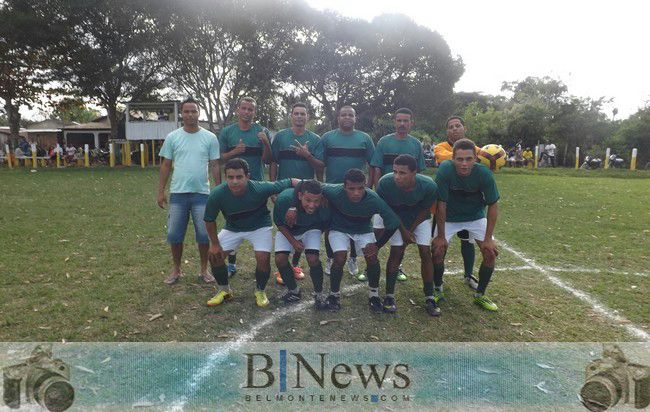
(8, 152)
(127, 149)
(633, 162)
(577, 158)
(34, 161)
(153, 152)
(58, 156)
(607, 158)
(86, 156)
(111, 155)
(123, 151)
(536, 156)
(142, 155)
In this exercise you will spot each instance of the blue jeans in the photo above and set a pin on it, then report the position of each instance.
(181, 205)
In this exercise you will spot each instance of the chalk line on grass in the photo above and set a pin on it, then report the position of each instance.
(585, 297)
(217, 357)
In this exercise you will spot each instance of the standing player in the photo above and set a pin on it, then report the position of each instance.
(465, 187)
(243, 204)
(193, 150)
(249, 141)
(297, 153)
(388, 148)
(411, 196)
(443, 151)
(303, 235)
(346, 148)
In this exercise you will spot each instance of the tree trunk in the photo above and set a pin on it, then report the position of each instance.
(13, 116)
(566, 151)
(112, 118)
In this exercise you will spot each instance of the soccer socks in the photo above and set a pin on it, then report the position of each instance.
(316, 273)
(469, 253)
(295, 260)
(438, 271)
(262, 277)
(336, 274)
(373, 273)
(428, 289)
(232, 259)
(391, 279)
(287, 276)
(484, 275)
(220, 273)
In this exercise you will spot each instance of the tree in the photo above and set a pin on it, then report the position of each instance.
(73, 110)
(110, 53)
(634, 132)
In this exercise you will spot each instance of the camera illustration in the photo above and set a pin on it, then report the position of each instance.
(612, 379)
(39, 380)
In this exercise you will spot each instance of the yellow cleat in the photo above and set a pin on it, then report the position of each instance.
(220, 297)
(260, 298)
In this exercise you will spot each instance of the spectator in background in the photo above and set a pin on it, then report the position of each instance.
(550, 153)
(528, 156)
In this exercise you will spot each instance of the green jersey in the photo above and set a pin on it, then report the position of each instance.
(289, 163)
(230, 136)
(304, 221)
(356, 218)
(390, 146)
(466, 197)
(408, 204)
(345, 151)
(247, 212)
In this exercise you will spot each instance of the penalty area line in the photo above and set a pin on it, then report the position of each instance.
(583, 296)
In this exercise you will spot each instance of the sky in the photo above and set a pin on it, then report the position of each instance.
(597, 48)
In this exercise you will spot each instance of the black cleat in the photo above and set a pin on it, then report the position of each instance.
(320, 303)
(289, 297)
(432, 307)
(375, 304)
(333, 303)
(389, 304)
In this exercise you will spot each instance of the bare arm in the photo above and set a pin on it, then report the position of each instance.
(421, 217)
(215, 171)
(267, 156)
(273, 172)
(165, 171)
(440, 243)
(492, 213)
(371, 176)
(375, 176)
(236, 151)
(297, 245)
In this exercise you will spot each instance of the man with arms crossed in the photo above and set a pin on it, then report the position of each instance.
(465, 187)
(193, 150)
(249, 141)
(243, 204)
(411, 196)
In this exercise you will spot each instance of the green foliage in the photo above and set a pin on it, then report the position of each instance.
(73, 110)
(485, 126)
(634, 133)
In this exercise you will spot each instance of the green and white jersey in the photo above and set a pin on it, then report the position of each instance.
(408, 204)
(229, 138)
(289, 163)
(345, 151)
(304, 221)
(466, 197)
(356, 218)
(390, 146)
(247, 212)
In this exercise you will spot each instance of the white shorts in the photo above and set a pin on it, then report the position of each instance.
(340, 241)
(476, 229)
(422, 235)
(311, 240)
(377, 222)
(261, 239)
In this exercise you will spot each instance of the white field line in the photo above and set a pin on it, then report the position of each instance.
(568, 269)
(220, 355)
(585, 297)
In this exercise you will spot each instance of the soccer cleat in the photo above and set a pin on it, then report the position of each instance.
(362, 277)
(353, 268)
(278, 278)
(401, 276)
(389, 304)
(232, 269)
(220, 297)
(472, 282)
(484, 302)
(375, 304)
(290, 297)
(320, 303)
(328, 266)
(333, 303)
(298, 273)
(260, 298)
(432, 307)
(438, 295)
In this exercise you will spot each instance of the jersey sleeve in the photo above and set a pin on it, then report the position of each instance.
(212, 207)
(377, 159)
(489, 188)
(282, 204)
(318, 150)
(223, 141)
(275, 147)
(421, 163)
(278, 186)
(442, 152)
(214, 150)
(391, 220)
(370, 148)
(430, 196)
(166, 150)
(442, 180)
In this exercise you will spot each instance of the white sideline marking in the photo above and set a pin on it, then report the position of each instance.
(217, 357)
(585, 297)
(568, 269)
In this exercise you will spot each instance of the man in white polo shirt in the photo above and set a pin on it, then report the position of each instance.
(192, 149)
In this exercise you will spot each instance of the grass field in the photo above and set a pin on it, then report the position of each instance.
(83, 256)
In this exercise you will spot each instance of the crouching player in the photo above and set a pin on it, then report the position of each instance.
(243, 204)
(411, 196)
(353, 206)
(303, 235)
(465, 187)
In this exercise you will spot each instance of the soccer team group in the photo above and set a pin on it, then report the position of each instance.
(393, 204)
